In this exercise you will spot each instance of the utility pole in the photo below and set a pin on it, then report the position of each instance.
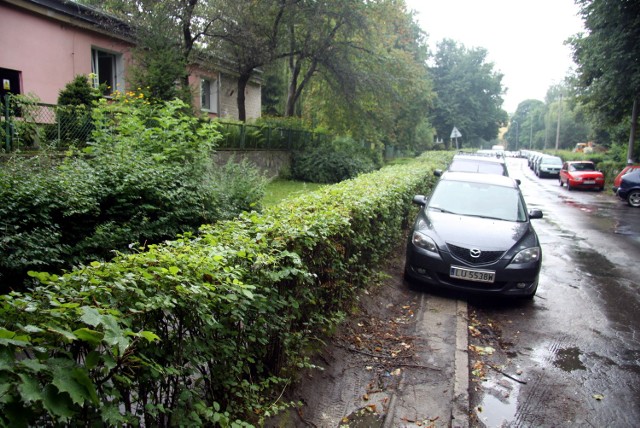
(558, 127)
(632, 134)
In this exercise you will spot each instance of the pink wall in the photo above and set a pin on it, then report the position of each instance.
(48, 53)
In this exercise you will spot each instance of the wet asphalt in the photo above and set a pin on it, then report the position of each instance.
(572, 356)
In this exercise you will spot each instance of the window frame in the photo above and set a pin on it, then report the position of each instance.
(209, 95)
(98, 55)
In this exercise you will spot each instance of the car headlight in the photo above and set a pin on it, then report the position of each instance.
(578, 178)
(424, 242)
(527, 256)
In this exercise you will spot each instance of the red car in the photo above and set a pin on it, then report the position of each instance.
(581, 175)
(628, 168)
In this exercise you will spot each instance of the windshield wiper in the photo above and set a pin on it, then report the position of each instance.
(442, 210)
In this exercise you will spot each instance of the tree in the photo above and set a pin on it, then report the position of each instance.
(319, 35)
(249, 37)
(608, 62)
(377, 89)
(469, 93)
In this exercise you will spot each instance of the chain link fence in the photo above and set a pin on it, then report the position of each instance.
(28, 125)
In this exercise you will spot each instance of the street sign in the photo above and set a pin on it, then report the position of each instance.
(455, 133)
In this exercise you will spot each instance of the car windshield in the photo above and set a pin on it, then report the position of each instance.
(551, 161)
(478, 199)
(464, 165)
(585, 166)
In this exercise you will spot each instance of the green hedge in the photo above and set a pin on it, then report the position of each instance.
(204, 329)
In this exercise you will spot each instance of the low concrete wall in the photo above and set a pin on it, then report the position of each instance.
(272, 162)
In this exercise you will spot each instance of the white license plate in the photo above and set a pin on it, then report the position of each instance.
(472, 274)
(589, 182)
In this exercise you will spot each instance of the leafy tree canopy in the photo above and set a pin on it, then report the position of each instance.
(469, 93)
(608, 57)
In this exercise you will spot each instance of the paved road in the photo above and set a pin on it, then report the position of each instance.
(572, 357)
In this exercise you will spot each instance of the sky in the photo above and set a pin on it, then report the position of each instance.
(524, 39)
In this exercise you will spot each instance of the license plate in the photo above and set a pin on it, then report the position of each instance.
(589, 181)
(472, 274)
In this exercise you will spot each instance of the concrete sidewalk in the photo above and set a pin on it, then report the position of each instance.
(367, 386)
(434, 391)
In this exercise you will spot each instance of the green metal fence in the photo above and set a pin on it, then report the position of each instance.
(30, 126)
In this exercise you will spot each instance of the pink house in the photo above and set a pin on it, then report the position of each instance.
(44, 44)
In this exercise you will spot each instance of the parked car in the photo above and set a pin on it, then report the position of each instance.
(581, 175)
(480, 163)
(629, 189)
(474, 234)
(533, 156)
(626, 169)
(548, 166)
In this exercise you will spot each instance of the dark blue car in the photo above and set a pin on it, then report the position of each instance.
(629, 189)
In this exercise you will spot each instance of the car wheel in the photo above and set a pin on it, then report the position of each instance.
(633, 199)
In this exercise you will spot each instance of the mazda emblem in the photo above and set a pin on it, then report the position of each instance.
(475, 253)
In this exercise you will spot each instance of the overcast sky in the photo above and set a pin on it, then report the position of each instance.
(524, 38)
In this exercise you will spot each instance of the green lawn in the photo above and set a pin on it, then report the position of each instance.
(280, 189)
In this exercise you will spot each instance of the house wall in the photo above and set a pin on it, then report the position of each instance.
(229, 100)
(49, 53)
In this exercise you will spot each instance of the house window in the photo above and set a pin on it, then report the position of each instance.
(107, 69)
(209, 95)
(9, 82)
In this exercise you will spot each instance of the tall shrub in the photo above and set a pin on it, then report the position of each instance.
(146, 176)
(342, 159)
(73, 114)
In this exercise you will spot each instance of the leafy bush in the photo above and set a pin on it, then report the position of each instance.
(147, 176)
(332, 163)
(239, 186)
(203, 330)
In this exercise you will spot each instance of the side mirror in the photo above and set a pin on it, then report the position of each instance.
(535, 213)
(518, 181)
(420, 200)
(437, 172)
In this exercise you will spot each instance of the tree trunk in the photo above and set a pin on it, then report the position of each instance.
(291, 93)
(243, 79)
(632, 134)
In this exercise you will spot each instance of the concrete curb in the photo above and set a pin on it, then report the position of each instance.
(446, 318)
(460, 410)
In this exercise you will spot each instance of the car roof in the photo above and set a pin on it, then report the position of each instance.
(582, 161)
(479, 158)
(474, 177)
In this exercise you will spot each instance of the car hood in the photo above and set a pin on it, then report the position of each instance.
(482, 233)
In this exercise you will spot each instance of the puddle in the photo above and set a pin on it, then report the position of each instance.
(499, 404)
(568, 359)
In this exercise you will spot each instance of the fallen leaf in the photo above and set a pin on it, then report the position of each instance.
(482, 350)
(474, 331)
(598, 397)
(365, 397)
